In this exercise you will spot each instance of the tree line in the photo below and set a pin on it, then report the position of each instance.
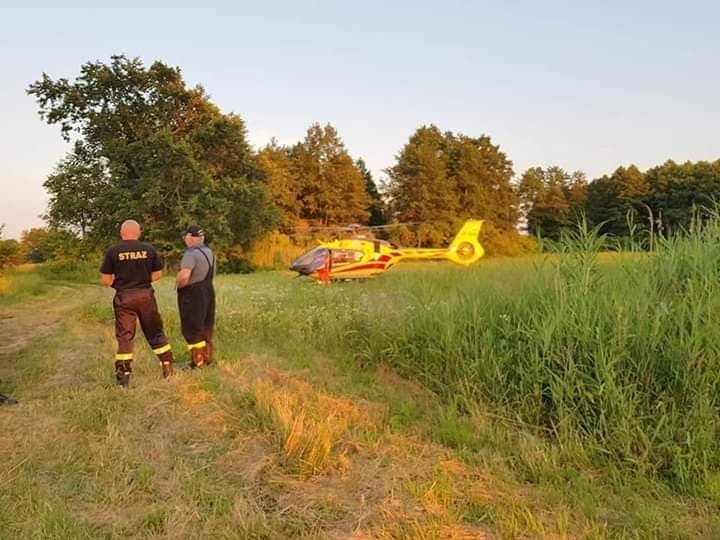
(147, 146)
(665, 199)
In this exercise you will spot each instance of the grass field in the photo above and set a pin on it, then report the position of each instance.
(564, 397)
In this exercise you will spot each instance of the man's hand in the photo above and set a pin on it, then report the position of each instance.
(107, 279)
(183, 278)
(156, 275)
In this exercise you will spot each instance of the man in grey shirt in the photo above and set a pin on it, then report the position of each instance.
(196, 296)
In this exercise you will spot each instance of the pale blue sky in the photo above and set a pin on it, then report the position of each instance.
(584, 85)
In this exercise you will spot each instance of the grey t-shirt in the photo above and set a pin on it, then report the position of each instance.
(194, 260)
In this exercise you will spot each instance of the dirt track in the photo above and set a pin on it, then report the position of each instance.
(20, 324)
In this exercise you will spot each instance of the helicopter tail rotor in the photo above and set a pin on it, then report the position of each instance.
(465, 249)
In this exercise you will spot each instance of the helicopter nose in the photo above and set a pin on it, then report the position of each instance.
(300, 269)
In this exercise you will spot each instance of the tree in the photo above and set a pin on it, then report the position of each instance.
(481, 177)
(680, 193)
(79, 189)
(377, 205)
(419, 187)
(576, 189)
(331, 188)
(282, 183)
(613, 199)
(147, 147)
(552, 199)
(441, 179)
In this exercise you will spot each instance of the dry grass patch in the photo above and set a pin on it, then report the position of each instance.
(314, 430)
(338, 464)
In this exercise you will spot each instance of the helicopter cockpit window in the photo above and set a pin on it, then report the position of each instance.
(342, 257)
(311, 261)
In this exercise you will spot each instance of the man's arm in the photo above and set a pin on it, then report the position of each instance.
(107, 269)
(156, 270)
(183, 278)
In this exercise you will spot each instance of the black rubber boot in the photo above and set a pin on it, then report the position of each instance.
(166, 361)
(123, 369)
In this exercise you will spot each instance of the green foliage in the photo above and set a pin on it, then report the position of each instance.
(681, 193)
(149, 148)
(630, 206)
(377, 208)
(73, 270)
(78, 188)
(551, 199)
(283, 184)
(332, 188)
(276, 250)
(611, 198)
(442, 179)
(316, 180)
(11, 251)
(44, 244)
(506, 243)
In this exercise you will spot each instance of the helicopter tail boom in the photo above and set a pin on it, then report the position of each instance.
(465, 248)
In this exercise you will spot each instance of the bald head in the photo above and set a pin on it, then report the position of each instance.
(130, 230)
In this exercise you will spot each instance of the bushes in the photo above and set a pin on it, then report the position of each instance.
(76, 270)
(506, 244)
(277, 250)
(11, 253)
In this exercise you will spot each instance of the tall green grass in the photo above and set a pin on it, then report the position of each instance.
(619, 357)
(18, 285)
(616, 354)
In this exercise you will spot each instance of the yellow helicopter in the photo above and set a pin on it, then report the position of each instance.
(359, 257)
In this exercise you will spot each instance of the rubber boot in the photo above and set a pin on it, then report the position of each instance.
(208, 352)
(166, 361)
(197, 357)
(123, 369)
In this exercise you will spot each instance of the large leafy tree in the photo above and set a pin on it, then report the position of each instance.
(317, 181)
(148, 147)
(480, 175)
(331, 187)
(283, 184)
(79, 190)
(441, 179)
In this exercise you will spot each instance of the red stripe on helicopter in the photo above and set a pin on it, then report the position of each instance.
(384, 258)
(396, 254)
(371, 266)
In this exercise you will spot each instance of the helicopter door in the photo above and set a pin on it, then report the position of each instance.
(344, 257)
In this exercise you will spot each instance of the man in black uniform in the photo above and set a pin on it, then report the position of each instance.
(130, 267)
(196, 296)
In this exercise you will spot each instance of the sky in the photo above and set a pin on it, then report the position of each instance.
(584, 85)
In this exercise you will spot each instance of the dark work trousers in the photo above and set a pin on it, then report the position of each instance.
(196, 304)
(131, 305)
